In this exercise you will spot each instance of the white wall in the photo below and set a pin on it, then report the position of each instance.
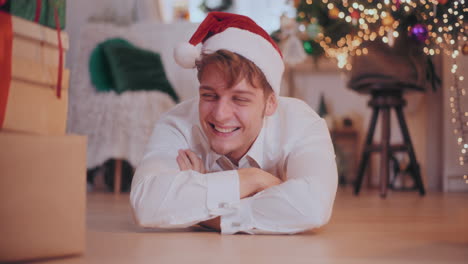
(77, 13)
(266, 13)
(125, 11)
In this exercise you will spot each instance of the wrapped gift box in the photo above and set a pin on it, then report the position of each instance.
(29, 9)
(42, 196)
(32, 104)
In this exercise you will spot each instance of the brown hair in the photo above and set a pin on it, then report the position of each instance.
(235, 68)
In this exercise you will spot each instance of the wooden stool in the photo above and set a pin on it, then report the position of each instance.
(117, 176)
(384, 98)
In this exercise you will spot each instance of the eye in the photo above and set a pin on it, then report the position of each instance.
(209, 96)
(241, 99)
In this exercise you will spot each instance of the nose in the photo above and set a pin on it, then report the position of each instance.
(222, 111)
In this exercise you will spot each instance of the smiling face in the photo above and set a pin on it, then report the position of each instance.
(231, 117)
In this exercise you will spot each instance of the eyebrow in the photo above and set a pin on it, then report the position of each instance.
(244, 92)
(209, 88)
(204, 87)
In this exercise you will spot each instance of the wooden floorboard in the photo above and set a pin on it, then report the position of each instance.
(404, 228)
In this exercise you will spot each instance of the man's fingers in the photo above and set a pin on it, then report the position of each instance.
(188, 160)
(183, 161)
(194, 160)
(197, 163)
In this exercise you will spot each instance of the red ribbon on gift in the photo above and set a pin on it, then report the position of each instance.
(6, 46)
(57, 26)
(38, 10)
(60, 69)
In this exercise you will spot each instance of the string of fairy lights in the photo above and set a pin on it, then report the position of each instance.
(438, 25)
(459, 117)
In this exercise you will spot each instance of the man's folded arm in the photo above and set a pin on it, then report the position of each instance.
(164, 196)
(304, 201)
(181, 199)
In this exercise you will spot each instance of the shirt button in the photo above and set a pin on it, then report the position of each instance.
(222, 205)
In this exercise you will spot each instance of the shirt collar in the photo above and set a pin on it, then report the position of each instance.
(212, 157)
(257, 150)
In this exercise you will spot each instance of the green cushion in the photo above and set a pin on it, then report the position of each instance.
(99, 68)
(137, 69)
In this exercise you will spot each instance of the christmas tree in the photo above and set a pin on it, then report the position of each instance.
(338, 28)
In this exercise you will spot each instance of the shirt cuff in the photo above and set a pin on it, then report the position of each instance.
(239, 221)
(223, 195)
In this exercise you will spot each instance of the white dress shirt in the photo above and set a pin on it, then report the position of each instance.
(294, 145)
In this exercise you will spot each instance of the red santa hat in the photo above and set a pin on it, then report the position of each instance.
(238, 34)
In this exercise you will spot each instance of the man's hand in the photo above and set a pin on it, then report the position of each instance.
(214, 223)
(253, 180)
(188, 160)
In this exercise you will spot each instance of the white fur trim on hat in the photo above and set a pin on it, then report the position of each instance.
(253, 47)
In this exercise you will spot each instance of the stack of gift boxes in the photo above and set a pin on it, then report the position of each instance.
(42, 169)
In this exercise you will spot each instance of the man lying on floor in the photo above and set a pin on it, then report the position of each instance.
(238, 158)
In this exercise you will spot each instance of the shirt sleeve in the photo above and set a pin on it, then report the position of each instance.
(163, 196)
(304, 201)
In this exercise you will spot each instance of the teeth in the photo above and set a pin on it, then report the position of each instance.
(224, 130)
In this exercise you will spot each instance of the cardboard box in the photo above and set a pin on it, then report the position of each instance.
(32, 105)
(38, 43)
(42, 196)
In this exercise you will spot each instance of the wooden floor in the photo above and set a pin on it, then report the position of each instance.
(404, 228)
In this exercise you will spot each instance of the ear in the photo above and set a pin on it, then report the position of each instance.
(271, 104)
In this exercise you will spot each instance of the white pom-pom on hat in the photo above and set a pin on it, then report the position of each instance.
(185, 54)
